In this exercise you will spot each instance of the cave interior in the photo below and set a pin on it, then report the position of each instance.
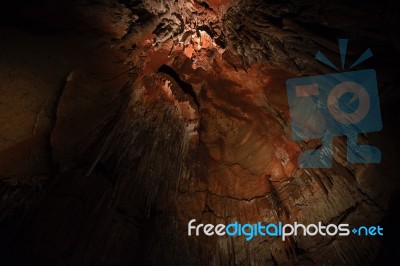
(122, 120)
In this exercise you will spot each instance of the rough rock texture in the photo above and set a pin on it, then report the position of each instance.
(138, 116)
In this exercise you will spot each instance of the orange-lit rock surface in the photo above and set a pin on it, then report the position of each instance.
(169, 111)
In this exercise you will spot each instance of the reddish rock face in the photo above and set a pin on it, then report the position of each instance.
(169, 111)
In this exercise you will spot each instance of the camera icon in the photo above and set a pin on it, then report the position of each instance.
(340, 104)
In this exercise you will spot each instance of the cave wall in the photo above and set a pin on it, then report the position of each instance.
(106, 154)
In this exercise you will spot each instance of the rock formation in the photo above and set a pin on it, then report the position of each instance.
(123, 120)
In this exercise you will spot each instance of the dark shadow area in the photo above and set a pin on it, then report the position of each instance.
(186, 87)
(390, 251)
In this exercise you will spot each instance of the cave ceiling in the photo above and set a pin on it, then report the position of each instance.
(123, 120)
